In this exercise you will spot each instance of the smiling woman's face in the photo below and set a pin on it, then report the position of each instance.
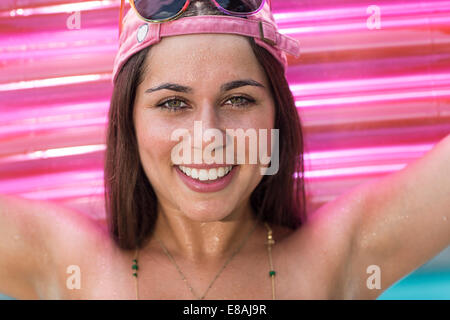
(200, 69)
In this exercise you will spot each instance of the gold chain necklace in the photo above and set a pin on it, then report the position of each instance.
(269, 243)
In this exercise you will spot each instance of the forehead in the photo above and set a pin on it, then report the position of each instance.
(205, 56)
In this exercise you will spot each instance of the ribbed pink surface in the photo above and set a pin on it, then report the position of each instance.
(371, 100)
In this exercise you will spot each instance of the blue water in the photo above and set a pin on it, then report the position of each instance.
(420, 285)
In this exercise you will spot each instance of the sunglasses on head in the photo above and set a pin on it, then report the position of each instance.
(157, 11)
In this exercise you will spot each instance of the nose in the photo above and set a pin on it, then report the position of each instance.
(209, 135)
(208, 116)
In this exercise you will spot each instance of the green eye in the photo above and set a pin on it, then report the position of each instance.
(175, 104)
(240, 101)
(237, 100)
(172, 105)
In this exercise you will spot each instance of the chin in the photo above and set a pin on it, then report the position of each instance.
(209, 213)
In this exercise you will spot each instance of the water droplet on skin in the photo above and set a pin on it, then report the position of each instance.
(444, 218)
(16, 237)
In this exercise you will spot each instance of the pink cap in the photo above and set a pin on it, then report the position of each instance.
(138, 34)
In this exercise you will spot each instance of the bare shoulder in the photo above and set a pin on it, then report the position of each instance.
(50, 238)
(62, 228)
(86, 262)
(34, 237)
(80, 247)
(320, 251)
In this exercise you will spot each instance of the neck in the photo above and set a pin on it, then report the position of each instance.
(202, 241)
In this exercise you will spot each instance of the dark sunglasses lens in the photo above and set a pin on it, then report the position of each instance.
(158, 9)
(240, 6)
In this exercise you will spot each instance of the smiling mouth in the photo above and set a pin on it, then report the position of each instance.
(206, 175)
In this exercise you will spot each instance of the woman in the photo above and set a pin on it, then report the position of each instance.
(187, 231)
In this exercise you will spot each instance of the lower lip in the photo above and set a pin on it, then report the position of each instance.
(207, 186)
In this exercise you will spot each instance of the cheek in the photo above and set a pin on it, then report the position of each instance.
(264, 118)
(263, 123)
(261, 117)
(154, 143)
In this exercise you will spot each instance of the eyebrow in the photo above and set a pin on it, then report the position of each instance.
(225, 87)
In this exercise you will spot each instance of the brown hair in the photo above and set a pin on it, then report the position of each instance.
(131, 203)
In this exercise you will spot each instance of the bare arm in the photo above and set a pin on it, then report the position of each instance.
(21, 245)
(35, 238)
(405, 221)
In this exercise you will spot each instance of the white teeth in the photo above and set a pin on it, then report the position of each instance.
(212, 174)
(203, 175)
(206, 174)
(194, 173)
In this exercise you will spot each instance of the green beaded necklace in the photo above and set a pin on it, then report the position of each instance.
(270, 242)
